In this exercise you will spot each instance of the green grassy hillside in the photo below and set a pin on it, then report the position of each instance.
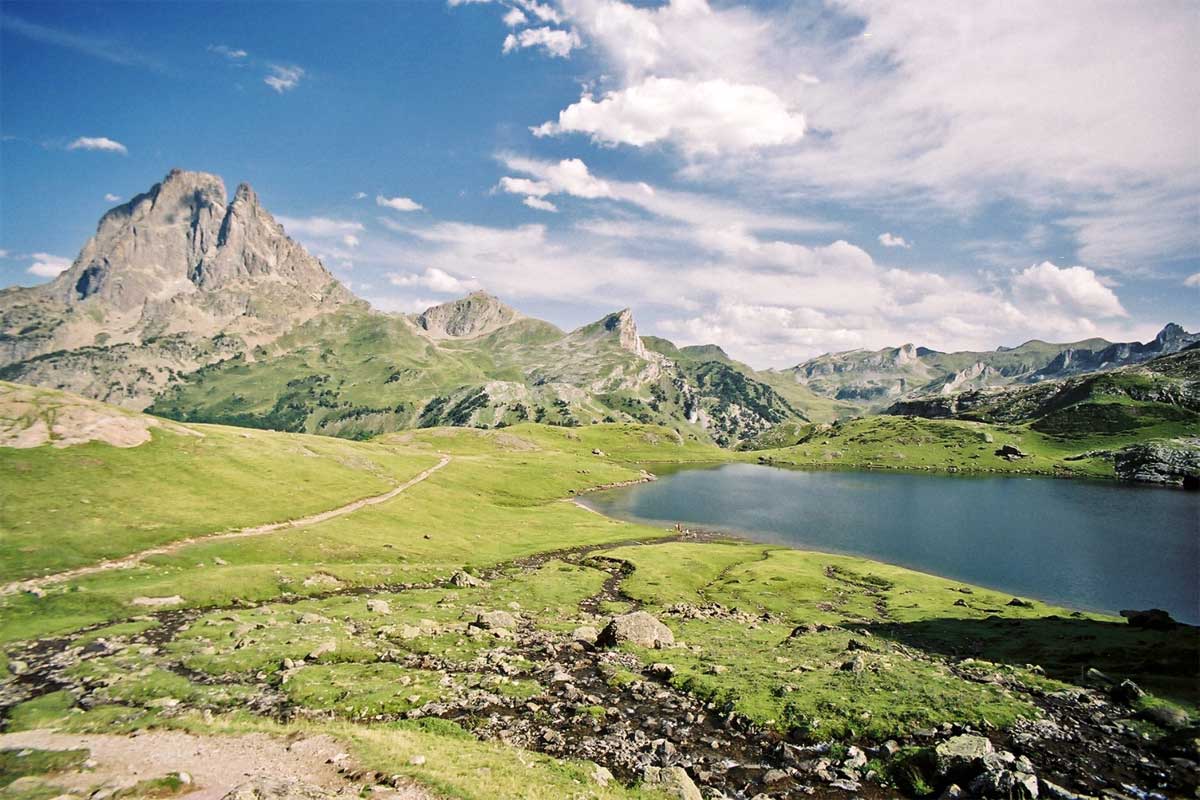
(356, 374)
(362, 627)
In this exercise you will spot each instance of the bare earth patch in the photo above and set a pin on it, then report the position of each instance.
(217, 764)
(31, 417)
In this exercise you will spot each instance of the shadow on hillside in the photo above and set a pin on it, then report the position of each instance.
(1166, 663)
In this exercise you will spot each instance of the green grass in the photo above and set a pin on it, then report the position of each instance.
(913, 443)
(502, 498)
(101, 501)
(18, 763)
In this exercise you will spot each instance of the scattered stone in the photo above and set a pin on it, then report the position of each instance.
(1011, 452)
(309, 618)
(585, 633)
(463, 579)
(637, 628)
(1164, 716)
(962, 754)
(1127, 692)
(491, 620)
(1019, 603)
(417, 761)
(321, 649)
(672, 781)
(157, 602)
(601, 775)
(596, 451)
(855, 665)
(379, 607)
(1154, 619)
(275, 789)
(322, 580)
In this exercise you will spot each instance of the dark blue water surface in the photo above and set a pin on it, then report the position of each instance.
(1088, 545)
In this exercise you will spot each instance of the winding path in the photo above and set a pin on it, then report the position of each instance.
(258, 530)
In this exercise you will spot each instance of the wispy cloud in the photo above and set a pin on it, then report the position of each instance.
(231, 53)
(112, 198)
(101, 143)
(398, 203)
(105, 49)
(283, 78)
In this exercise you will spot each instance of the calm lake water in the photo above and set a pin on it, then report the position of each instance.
(1087, 545)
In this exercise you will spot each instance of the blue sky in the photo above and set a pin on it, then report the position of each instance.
(781, 178)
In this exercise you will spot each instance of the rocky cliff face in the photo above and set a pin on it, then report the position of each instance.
(876, 378)
(477, 314)
(179, 261)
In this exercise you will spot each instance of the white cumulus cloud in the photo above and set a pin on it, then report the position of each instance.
(890, 240)
(555, 42)
(101, 143)
(47, 266)
(702, 117)
(435, 280)
(1192, 281)
(1074, 289)
(398, 203)
(112, 198)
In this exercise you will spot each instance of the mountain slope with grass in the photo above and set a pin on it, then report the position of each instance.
(1145, 419)
(480, 636)
(871, 380)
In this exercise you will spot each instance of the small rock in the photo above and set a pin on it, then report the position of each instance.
(962, 755)
(157, 602)
(585, 633)
(672, 781)
(491, 620)
(464, 579)
(379, 607)
(637, 628)
(321, 649)
(1154, 619)
(417, 761)
(855, 665)
(1127, 692)
(601, 776)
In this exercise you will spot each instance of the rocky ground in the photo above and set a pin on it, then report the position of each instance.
(588, 691)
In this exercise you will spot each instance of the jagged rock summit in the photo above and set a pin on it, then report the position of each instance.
(477, 314)
(180, 259)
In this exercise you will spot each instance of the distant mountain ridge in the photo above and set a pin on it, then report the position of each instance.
(876, 379)
(199, 307)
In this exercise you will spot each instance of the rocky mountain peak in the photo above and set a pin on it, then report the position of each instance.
(178, 258)
(476, 314)
(622, 323)
(1171, 334)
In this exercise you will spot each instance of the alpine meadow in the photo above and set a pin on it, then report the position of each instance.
(655, 399)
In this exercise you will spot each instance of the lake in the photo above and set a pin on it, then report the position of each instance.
(1089, 545)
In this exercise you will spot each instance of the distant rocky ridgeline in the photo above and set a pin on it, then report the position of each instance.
(878, 378)
(202, 308)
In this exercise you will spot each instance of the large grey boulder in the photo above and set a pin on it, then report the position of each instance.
(962, 755)
(672, 781)
(491, 620)
(638, 628)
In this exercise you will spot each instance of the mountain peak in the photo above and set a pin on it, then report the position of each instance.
(182, 258)
(623, 325)
(476, 314)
